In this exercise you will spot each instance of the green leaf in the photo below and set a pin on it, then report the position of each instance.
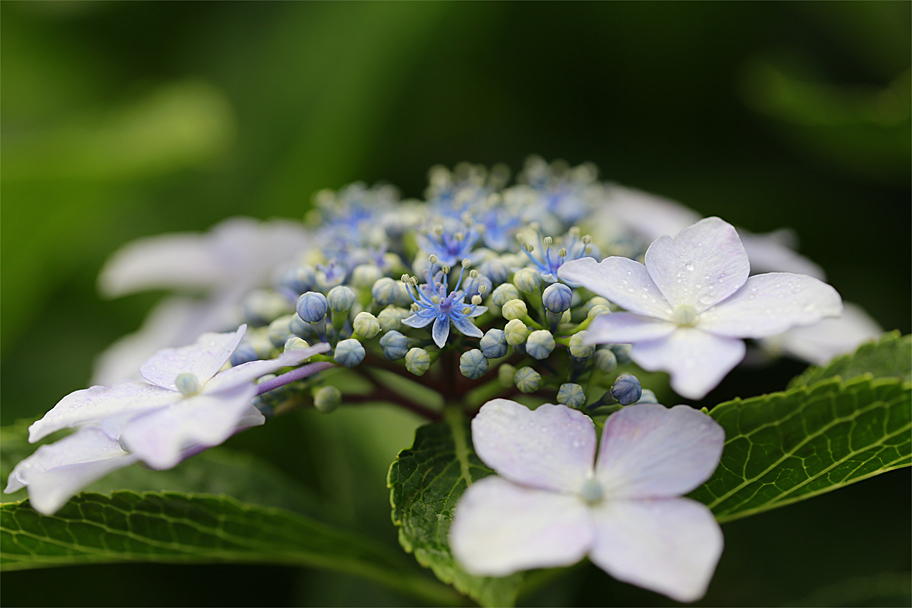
(217, 471)
(789, 446)
(426, 481)
(889, 356)
(177, 528)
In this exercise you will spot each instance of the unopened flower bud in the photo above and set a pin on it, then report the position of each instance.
(327, 399)
(340, 298)
(505, 373)
(366, 325)
(365, 275)
(578, 349)
(280, 330)
(394, 345)
(312, 306)
(527, 280)
(417, 361)
(504, 293)
(295, 343)
(300, 279)
(571, 395)
(493, 344)
(300, 327)
(557, 297)
(515, 332)
(263, 306)
(622, 352)
(540, 343)
(243, 354)
(514, 309)
(495, 270)
(597, 311)
(605, 361)
(385, 291)
(472, 364)
(391, 317)
(626, 389)
(187, 383)
(349, 353)
(527, 380)
(648, 397)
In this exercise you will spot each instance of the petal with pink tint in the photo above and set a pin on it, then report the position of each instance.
(551, 447)
(650, 451)
(501, 528)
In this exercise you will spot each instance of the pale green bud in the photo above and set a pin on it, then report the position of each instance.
(527, 280)
(516, 332)
(527, 380)
(417, 361)
(505, 373)
(504, 293)
(295, 343)
(365, 275)
(366, 325)
(540, 343)
(514, 309)
(327, 399)
(571, 395)
(391, 317)
(578, 349)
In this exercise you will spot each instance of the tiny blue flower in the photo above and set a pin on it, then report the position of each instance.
(494, 344)
(450, 246)
(626, 389)
(442, 308)
(473, 364)
(312, 306)
(394, 345)
(547, 258)
(349, 353)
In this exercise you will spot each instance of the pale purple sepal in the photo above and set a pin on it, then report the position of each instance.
(57, 471)
(160, 436)
(202, 359)
(775, 252)
(696, 360)
(769, 304)
(551, 447)
(93, 405)
(420, 319)
(821, 342)
(701, 266)
(467, 328)
(670, 546)
(620, 280)
(650, 451)
(250, 371)
(627, 328)
(501, 527)
(441, 330)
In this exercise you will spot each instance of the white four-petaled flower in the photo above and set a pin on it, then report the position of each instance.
(185, 404)
(553, 501)
(692, 304)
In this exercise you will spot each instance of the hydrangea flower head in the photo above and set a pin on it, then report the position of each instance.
(692, 304)
(185, 403)
(553, 501)
(435, 303)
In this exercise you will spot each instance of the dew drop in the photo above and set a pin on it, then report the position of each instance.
(689, 266)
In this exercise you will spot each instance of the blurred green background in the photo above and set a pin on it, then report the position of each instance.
(123, 120)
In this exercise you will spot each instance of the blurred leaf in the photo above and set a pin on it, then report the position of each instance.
(175, 126)
(216, 471)
(889, 356)
(886, 589)
(176, 528)
(427, 481)
(785, 447)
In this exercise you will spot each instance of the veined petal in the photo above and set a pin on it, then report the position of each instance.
(701, 266)
(441, 330)
(770, 304)
(620, 280)
(92, 405)
(696, 360)
(647, 214)
(627, 328)
(820, 342)
(419, 320)
(57, 471)
(479, 310)
(650, 451)
(551, 447)
(159, 437)
(500, 528)
(467, 328)
(670, 546)
(250, 371)
(202, 359)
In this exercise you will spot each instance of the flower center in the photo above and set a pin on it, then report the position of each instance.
(592, 492)
(188, 384)
(685, 315)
